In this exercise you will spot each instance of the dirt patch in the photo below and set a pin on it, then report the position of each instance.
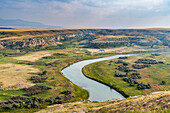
(14, 76)
(34, 56)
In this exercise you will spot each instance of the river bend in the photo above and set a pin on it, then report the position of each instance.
(97, 91)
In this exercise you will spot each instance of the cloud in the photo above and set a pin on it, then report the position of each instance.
(87, 13)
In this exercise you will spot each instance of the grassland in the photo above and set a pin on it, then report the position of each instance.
(18, 70)
(104, 72)
(34, 56)
(14, 76)
(27, 66)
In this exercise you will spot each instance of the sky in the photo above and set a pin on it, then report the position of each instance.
(90, 13)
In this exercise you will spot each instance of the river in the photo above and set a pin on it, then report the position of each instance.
(97, 91)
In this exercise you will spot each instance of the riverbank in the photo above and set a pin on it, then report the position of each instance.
(103, 72)
(115, 88)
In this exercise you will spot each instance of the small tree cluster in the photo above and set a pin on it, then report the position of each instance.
(37, 79)
(155, 54)
(142, 86)
(123, 68)
(163, 83)
(146, 61)
(66, 92)
(21, 102)
(33, 102)
(56, 100)
(51, 63)
(36, 89)
(137, 66)
(121, 62)
(131, 81)
(123, 57)
(136, 75)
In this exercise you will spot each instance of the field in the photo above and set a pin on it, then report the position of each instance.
(104, 72)
(34, 56)
(14, 76)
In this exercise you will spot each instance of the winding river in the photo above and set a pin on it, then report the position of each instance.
(97, 91)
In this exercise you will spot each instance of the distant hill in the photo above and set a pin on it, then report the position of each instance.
(23, 23)
(6, 28)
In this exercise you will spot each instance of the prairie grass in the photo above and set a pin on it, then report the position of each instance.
(14, 76)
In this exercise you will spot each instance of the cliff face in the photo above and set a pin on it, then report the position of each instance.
(39, 38)
(30, 42)
(113, 38)
(91, 38)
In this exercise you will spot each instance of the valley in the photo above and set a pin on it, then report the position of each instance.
(36, 57)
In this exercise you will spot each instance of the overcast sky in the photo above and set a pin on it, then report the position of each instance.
(90, 13)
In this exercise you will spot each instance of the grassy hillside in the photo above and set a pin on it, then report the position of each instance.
(154, 103)
(105, 71)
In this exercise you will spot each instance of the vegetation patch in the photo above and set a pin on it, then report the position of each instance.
(135, 75)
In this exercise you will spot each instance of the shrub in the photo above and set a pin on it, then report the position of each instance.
(123, 68)
(163, 82)
(36, 89)
(142, 86)
(66, 92)
(37, 79)
(146, 61)
(137, 66)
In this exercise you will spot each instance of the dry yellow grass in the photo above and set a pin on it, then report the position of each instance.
(101, 37)
(143, 103)
(111, 36)
(121, 49)
(25, 33)
(29, 29)
(34, 56)
(14, 76)
(24, 37)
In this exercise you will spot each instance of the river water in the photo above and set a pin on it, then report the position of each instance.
(97, 91)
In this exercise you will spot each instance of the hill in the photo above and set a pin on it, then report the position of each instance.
(22, 23)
